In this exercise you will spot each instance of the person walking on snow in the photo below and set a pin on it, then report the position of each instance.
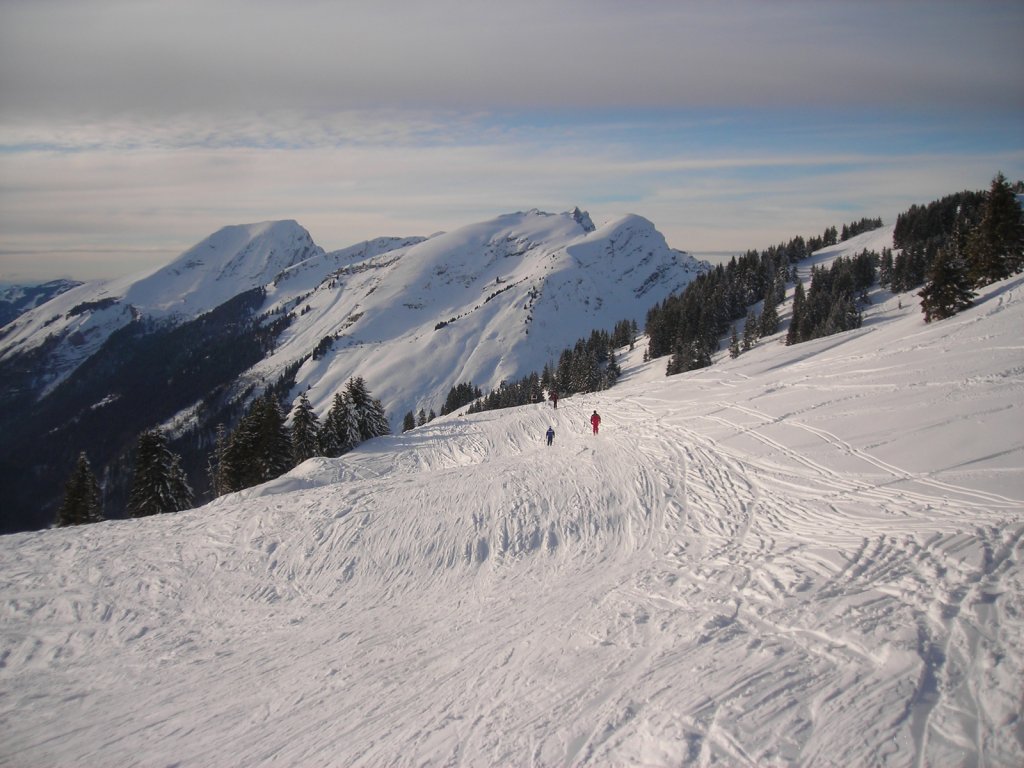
(595, 421)
(551, 434)
(554, 398)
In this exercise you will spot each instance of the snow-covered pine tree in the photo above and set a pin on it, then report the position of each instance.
(341, 427)
(409, 422)
(81, 496)
(159, 484)
(376, 419)
(369, 413)
(358, 397)
(305, 431)
(351, 435)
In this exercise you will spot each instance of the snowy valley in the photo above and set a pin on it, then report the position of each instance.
(807, 555)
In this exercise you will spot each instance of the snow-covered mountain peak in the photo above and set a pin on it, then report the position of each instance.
(230, 261)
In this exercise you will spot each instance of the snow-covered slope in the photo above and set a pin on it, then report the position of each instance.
(809, 555)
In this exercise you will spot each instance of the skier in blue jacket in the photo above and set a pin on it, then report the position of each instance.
(551, 434)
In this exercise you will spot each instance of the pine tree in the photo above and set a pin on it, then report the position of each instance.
(409, 422)
(274, 441)
(369, 413)
(734, 343)
(358, 397)
(345, 426)
(238, 466)
(259, 449)
(460, 395)
(885, 269)
(81, 496)
(843, 316)
(421, 418)
(215, 467)
(750, 330)
(340, 433)
(769, 322)
(688, 357)
(159, 485)
(799, 300)
(948, 289)
(305, 431)
(996, 246)
(351, 433)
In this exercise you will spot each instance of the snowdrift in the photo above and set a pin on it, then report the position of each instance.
(807, 555)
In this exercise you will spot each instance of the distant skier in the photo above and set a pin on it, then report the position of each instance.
(551, 435)
(554, 398)
(595, 421)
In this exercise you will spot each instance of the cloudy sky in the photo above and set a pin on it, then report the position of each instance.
(131, 129)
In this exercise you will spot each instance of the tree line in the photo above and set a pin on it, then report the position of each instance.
(831, 304)
(687, 327)
(969, 241)
(263, 446)
(588, 366)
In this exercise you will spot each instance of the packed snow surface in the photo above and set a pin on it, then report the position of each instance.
(808, 555)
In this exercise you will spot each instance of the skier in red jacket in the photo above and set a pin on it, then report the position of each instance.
(595, 421)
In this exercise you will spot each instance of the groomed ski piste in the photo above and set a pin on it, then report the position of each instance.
(808, 555)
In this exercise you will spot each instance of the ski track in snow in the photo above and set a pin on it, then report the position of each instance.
(726, 575)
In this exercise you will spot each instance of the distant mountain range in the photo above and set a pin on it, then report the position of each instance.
(89, 366)
(16, 300)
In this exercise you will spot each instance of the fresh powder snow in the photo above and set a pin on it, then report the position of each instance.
(808, 555)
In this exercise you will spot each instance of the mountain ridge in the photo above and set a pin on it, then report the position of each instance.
(413, 316)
